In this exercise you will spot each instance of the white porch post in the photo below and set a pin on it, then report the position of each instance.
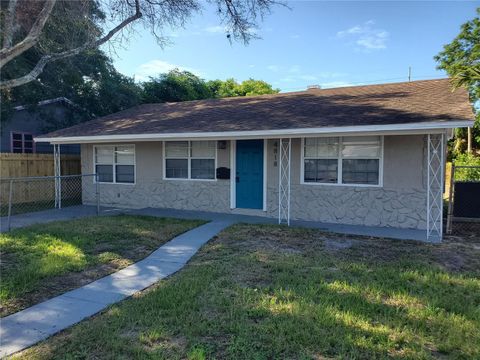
(435, 178)
(58, 180)
(285, 150)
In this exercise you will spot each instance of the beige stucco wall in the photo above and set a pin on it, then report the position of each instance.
(400, 202)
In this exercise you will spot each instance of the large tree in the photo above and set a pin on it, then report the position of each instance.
(89, 80)
(231, 87)
(175, 86)
(30, 24)
(461, 60)
(179, 85)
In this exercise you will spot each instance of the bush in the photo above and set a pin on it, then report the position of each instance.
(467, 174)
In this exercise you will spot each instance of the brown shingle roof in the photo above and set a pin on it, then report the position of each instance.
(397, 103)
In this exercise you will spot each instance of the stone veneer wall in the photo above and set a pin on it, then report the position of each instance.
(361, 206)
(206, 196)
(355, 206)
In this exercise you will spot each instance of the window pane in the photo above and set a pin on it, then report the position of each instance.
(17, 144)
(176, 149)
(16, 136)
(327, 147)
(17, 150)
(104, 155)
(361, 147)
(124, 155)
(28, 144)
(176, 168)
(203, 149)
(360, 171)
(311, 147)
(28, 137)
(124, 173)
(28, 151)
(203, 169)
(105, 173)
(321, 147)
(321, 170)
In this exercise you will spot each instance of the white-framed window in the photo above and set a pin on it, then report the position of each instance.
(352, 160)
(191, 160)
(115, 163)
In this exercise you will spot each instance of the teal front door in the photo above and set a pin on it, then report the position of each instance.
(249, 174)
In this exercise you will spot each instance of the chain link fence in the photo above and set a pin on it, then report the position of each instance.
(463, 214)
(30, 194)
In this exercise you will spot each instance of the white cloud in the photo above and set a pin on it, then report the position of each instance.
(365, 36)
(156, 67)
(331, 74)
(294, 36)
(215, 29)
(294, 69)
(308, 77)
(273, 68)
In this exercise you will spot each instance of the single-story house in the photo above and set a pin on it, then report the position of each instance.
(366, 155)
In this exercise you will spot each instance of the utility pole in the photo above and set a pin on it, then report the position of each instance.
(409, 73)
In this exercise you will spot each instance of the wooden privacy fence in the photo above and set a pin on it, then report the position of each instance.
(32, 165)
(26, 165)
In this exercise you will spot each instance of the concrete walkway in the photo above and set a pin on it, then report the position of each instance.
(27, 327)
(45, 216)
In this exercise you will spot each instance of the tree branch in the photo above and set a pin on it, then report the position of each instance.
(44, 60)
(8, 53)
(8, 30)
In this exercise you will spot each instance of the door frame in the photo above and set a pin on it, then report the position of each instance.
(233, 165)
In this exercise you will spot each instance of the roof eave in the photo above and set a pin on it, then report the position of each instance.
(391, 129)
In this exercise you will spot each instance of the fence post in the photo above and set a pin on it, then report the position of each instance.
(97, 194)
(450, 200)
(10, 196)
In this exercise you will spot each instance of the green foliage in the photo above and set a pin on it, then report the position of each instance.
(461, 60)
(467, 174)
(89, 80)
(179, 85)
(231, 87)
(462, 55)
(256, 87)
(227, 88)
(175, 86)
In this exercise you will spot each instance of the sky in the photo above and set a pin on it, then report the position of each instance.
(322, 43)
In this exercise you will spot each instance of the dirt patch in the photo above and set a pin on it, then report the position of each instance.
(457, 253)
(331, 244)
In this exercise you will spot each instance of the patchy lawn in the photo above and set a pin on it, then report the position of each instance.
(263, 292)
(44, 260)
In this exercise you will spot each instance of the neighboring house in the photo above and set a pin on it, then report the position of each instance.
(27, 122)
(366, 155)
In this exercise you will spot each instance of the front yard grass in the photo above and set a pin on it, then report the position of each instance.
(265, 292)
(44, 260)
